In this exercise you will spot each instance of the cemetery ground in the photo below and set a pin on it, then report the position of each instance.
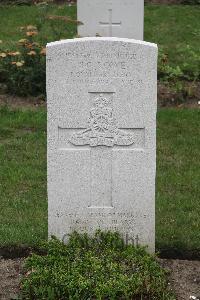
(23, 199)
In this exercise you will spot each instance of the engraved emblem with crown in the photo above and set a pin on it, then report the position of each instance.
(102, 129)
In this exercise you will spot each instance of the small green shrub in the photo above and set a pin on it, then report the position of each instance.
(175, 77)
(23, 71)
(189, 69)
(102, 267)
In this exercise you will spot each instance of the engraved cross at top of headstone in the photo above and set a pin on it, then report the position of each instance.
(110, 23)
(102, 134)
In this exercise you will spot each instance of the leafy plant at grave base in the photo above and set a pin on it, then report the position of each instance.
(99, 267)
(23, 71)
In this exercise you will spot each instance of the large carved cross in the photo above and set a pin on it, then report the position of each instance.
(102, 135)
(110, 24)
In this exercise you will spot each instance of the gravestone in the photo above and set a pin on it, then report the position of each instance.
(111, 18)
(102, 137)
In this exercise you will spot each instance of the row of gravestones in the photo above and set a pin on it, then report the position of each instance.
(101, 95)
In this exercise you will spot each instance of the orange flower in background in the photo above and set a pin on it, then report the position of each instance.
(29, 46)
(14, 53)
(23, 41)
(31, 53)
(31, 33)
(31, 28)
(19, 63)
(43, 51)
(36, 44)
(3, 54)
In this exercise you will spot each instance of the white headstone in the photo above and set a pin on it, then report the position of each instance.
(102, 137)
(111, 18)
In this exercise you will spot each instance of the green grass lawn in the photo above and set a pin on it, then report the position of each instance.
(12, 18)
(178, 179)
(172, 27)
(23, 199)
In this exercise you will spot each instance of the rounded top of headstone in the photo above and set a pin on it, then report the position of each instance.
(101, 39)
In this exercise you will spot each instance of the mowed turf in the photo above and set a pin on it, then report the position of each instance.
(172, 27)
(23, 191)
(14, 18)
(178, 179)
(23, 196)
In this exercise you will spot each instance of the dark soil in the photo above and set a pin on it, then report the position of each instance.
(21, 102)
(10, 275)
(164, 1)
(189, 97)
(184, 277)
(146, 1)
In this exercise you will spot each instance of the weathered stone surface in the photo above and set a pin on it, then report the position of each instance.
(118, 18)
(102, 137)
